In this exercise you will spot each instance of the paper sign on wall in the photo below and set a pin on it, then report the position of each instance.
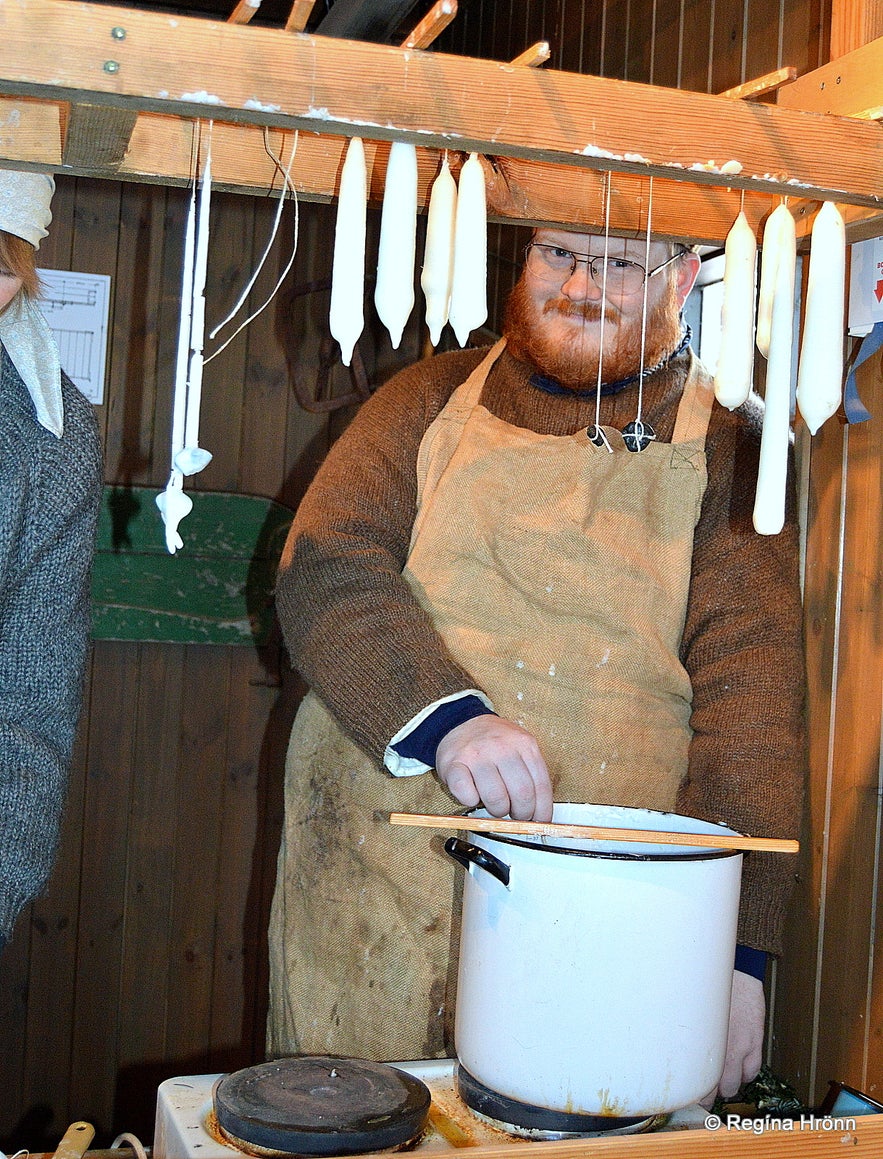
(866, 286)
(76, 307)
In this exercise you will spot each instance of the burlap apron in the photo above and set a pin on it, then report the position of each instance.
(557, 573)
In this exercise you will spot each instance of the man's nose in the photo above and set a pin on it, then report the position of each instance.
(581, 286)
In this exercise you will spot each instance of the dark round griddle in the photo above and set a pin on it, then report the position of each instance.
(321, 1105)
(510, 1112)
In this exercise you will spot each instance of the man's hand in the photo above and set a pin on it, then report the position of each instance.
(745, 1036)
(494, 762)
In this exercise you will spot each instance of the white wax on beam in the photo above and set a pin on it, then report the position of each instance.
(394, 292)
(780, 217)
(469, 288)
(347, 310)
(438, 256)
(772, 474)
(820, 373)
(735, 362)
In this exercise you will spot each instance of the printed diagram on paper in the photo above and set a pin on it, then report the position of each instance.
(76, 307)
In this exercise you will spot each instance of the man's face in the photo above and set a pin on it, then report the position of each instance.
(553, 318)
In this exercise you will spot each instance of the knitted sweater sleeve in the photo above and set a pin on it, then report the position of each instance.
(51, 491)
(743, 649)
(351, 623)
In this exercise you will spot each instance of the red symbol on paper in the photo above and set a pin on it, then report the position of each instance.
(878, 292)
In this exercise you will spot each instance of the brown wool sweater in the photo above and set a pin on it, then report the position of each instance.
(359, 638)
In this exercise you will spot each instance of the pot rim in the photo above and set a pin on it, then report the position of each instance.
(698, 855)
(539, 843)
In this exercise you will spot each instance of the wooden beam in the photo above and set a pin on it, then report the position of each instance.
(299, 15)
(97, 137)
(192, 68)
(762, 85)
(432, 25)
(31, 132)
(534, 56)
(847, 87)
(244, 11)
(530, 193)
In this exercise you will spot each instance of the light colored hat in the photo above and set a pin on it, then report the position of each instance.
(24, 204)
(25, 212)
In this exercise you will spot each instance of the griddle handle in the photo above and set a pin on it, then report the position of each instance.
(469, 855)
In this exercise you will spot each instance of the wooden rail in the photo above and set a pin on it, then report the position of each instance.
(170, 70)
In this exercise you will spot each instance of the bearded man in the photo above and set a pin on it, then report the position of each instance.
(528, 574)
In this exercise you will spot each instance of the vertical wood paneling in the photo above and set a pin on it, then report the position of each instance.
(830, 997)
(133, 340)
(233, 257)
(640, 41)
(101, 904)
(155, 675)
(54, 923)
(199, 804)
(696, 45)
(727, 64)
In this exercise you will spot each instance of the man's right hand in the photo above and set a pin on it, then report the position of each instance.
(493, 762)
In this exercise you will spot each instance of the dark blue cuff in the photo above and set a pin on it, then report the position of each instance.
(421, 742)
(751, 961)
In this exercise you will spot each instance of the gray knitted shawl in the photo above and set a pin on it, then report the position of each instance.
(50, 493)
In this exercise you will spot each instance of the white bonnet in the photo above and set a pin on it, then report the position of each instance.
(24, 204)
(24, 332)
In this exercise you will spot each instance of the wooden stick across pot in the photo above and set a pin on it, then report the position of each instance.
(595, 832)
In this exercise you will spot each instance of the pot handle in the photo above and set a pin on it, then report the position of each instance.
(470, 855)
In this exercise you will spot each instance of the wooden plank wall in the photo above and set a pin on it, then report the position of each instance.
(829, 1020)
(147, 956)
(146, 959)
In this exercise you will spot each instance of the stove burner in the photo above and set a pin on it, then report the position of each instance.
(534, 1122)
(320, 1105)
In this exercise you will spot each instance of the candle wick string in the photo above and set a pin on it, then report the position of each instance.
(644, 302)
(287, 186)
(607, 182)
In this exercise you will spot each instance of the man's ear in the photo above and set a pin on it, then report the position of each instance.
(687, 271)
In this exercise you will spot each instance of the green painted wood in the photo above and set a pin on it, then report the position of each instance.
(217, 589)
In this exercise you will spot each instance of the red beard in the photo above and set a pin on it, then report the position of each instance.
(574, 362)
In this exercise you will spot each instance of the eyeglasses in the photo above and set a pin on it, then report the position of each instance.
(552, 263)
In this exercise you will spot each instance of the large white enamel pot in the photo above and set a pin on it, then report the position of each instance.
(594, 978)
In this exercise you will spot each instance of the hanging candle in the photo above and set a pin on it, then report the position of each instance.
(347, 313)
(733, 376)
(768, 258)
(394, 292)
(469, 285)
(438, 256)
(769, 500)
(182, 360)
(820, 372)
(192, 458)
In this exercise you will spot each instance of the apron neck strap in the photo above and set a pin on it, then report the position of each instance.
(469, 392)
(694, 409)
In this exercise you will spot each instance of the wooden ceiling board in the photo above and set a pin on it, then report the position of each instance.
(547, 136)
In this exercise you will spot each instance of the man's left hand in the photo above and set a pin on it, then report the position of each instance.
(745, 1035)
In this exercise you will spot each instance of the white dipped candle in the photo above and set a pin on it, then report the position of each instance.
(347, 312)
(769, 499)
(438, 255)
(394, 292)
(732, 379)
(820, 373)
(469, 286)
(768, 258)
